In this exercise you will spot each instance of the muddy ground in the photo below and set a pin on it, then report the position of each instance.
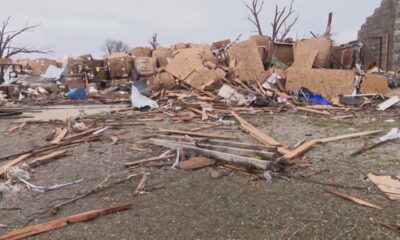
(191, 205)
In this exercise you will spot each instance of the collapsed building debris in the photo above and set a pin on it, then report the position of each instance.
(213, 87)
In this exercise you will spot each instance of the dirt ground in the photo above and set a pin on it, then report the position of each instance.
(190, 205)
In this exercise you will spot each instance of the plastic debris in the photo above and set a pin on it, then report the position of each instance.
(77, 94)
(140, 101)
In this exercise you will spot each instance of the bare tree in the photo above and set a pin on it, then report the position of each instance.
(7, 37)
(112, 46)
(8, 48)
(154, 42)
(283, 22)
(255, 9)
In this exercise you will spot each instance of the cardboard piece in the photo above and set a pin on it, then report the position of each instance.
(249, 64)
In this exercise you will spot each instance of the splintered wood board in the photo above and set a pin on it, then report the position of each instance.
(327, 82)
(372, 83)
(249, 64)
(189, 60)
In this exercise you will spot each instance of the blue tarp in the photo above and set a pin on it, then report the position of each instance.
(77, 94)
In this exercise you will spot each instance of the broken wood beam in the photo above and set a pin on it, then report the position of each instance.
(230, 150)
(43, 159)
(51, 147)
(85, 133)
(325, 113)
(60, 134)
(154, 159)
(366, 148)
(13, 163)
(221, 156)
(140, 187)
(352, 199)
(207, 135)
(310, 144)
(62, 222)
(256, 147)
(256, 133)
(237, 151)
(195, 163)
(300, 150)
(349, 136)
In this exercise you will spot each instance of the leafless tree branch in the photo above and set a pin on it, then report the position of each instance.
(11, 51)
(154, 42)
(112, 46)
(255, 9)
(282, 18)
(7, 38)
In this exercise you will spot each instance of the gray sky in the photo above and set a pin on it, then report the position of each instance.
(73, 27)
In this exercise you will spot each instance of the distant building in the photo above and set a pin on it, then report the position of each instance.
(380, 35)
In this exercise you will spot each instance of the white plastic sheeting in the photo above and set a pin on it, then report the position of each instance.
(53, 72)
(140, 101)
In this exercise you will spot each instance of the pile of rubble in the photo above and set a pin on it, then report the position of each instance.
(210, 85)
(256, 72)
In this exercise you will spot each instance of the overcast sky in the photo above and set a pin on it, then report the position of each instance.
(74, 27)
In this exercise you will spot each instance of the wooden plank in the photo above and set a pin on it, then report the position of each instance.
(353, 199)
(248, 61)
(140, 187)
(172, 131)
(154, 159)
(310, 144)
(13, 163)
(225, 157)
(60, 134)
(62, 222)
(325, 113)
(238, 151)
(82, 134)
(254, 132)
(40, 160)
(349, 136)
(215, 142)
(195, 163)
(374, 83)
(300, 150)
(231, 150)
(389, 103)
(327, 82)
